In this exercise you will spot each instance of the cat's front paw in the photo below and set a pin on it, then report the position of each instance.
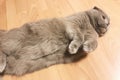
(89, 46)
(73, 49)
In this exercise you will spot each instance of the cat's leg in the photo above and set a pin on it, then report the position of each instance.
(75, 43)
(90, 40)
(90, 45)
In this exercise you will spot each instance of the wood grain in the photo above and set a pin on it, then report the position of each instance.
(3, 22)
(102, 64)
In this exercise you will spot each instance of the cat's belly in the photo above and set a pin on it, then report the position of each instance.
(22, 64)
(30, 58)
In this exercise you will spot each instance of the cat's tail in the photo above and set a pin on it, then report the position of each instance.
(2, 63)
(2, 32)
(2, 57)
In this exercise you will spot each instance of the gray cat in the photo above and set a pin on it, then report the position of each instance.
(43, 43)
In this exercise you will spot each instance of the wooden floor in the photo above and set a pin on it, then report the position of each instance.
(102, 64)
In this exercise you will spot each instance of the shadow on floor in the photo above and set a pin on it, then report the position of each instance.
(75, 57)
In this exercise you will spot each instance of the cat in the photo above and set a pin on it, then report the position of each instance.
(43, 43)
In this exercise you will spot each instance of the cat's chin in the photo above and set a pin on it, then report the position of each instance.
(101, 35)
(101, 32)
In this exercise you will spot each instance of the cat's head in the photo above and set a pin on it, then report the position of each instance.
(99, 20)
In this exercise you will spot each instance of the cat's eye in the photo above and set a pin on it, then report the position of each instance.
(103, 17)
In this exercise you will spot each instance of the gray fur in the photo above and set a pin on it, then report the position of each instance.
(40, 44)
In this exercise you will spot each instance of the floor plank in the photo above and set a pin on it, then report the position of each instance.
(3, 22)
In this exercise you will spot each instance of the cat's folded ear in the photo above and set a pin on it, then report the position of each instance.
(2, 62)
(96, 8)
